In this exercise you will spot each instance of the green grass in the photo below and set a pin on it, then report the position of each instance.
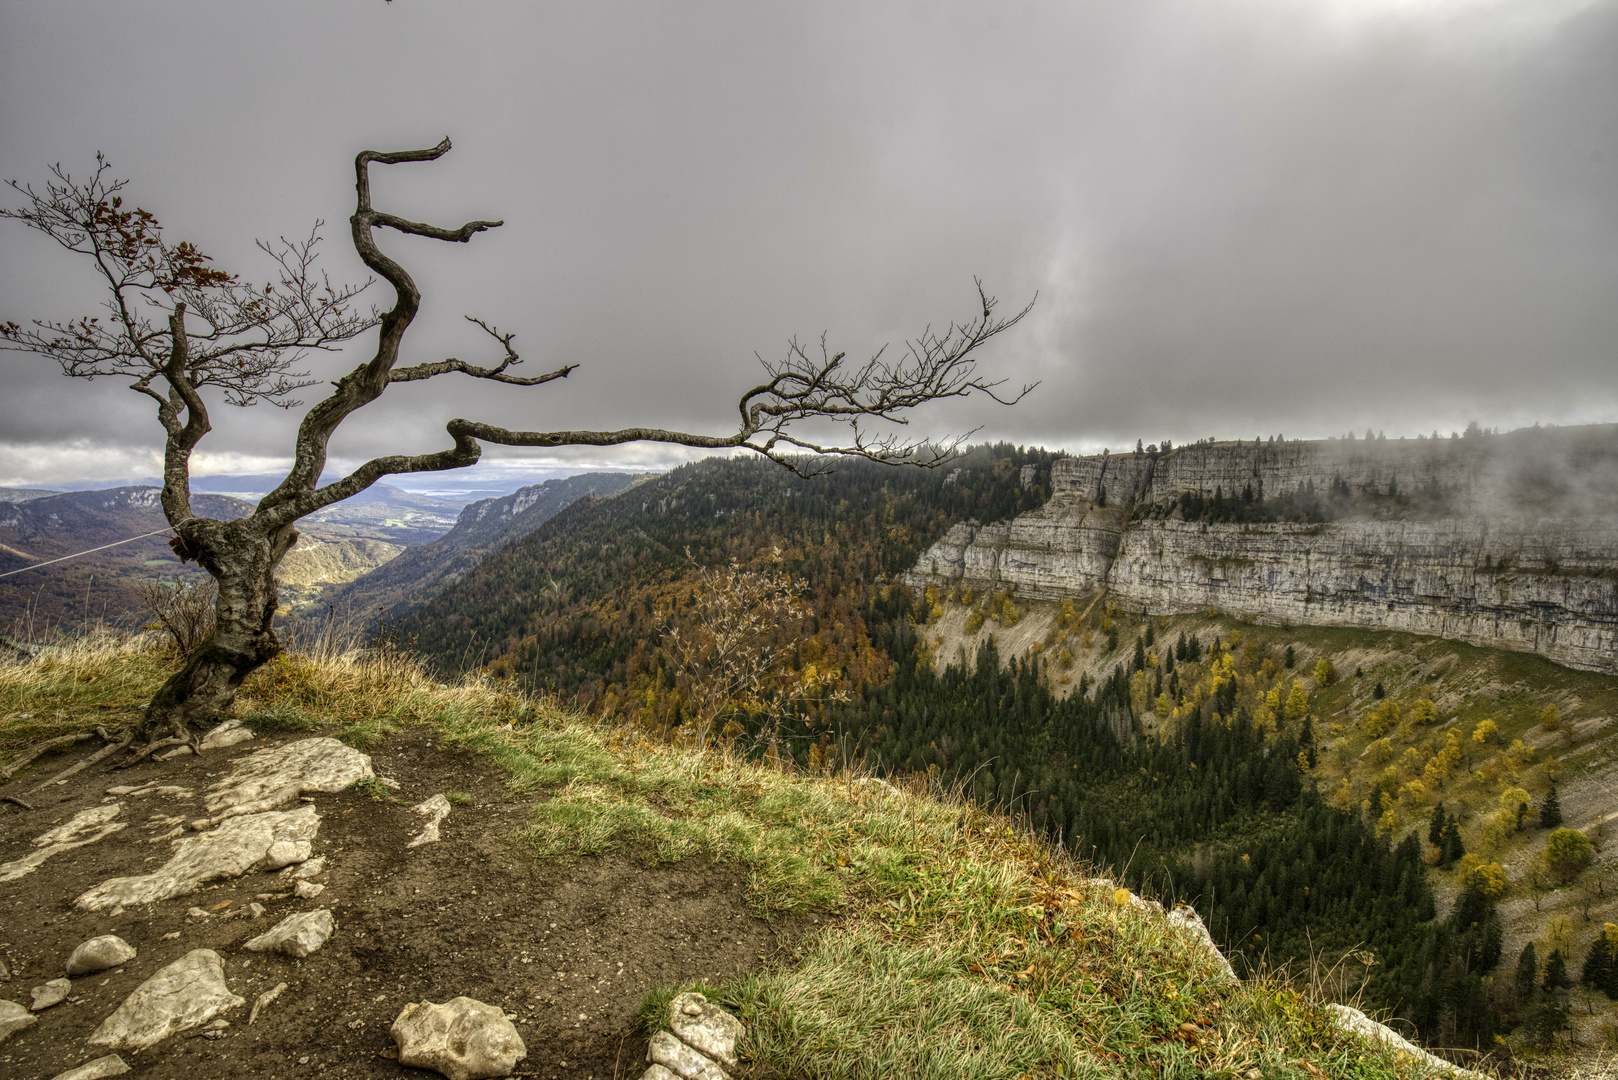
(951, 944)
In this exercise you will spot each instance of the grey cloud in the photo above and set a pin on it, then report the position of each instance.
(1241, 217)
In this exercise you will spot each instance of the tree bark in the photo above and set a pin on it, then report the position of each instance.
(242, 560)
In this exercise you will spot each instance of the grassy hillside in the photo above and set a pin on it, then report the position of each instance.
(949, 942)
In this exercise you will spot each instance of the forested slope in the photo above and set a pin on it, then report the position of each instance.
(580, 606)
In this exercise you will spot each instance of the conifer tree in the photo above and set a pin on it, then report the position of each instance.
(1556, 977)
(1292, 658)
(1140, 655)
(1435, 826)
(1600, 971)
(1550, 811)
(1527, 974)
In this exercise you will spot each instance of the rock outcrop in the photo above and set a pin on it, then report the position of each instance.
(1503, 541)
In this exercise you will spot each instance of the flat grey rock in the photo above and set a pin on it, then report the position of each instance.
(229, 733)
(657, 1072)
(296, 935)
(51, 993)
(705, 1027)
(111, 1065)
(231, 850)
(85, 827)
(99, 954)
(270, 777)
(186, 994)
(435, 810)
(463, 1038)
(13, 1018)
(681, 1060)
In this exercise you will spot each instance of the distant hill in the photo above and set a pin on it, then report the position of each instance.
(403, 584)
(384, 512)
(101, 584)
(9, 494)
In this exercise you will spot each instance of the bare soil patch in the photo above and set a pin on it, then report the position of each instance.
(569, 949)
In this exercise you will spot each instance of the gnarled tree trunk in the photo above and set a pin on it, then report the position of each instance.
(242, 560)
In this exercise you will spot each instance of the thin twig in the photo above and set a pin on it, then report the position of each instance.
(39, 748)
(14, 799)
(110, 748)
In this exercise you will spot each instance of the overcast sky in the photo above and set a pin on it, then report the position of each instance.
(1241, 217)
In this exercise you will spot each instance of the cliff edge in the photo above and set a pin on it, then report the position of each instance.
(1507, 541)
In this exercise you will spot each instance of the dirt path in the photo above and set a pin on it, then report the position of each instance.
(569, 950)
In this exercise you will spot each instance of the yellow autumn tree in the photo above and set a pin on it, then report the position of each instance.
(1325, 673)
(1297, 702)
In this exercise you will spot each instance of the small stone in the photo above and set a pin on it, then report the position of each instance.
(99, 954)
(256, 910)
(264, 1000)
(464, 1039)
(229, 733)
(167, 755)
(185, 994)
(308, 890)
(435, 810)
(111, 1065)
(198, 913)
(705, 1027)
(13, 1018)
(681, 1060)
(52, 993)
(172, 935)
(286, 853)
(296, 935)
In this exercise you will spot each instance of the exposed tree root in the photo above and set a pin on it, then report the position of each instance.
(39, 748)
(106, 751)
(150, 748)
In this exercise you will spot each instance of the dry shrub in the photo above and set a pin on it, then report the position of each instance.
(183, 609)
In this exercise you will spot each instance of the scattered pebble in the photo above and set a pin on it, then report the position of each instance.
(51, 993)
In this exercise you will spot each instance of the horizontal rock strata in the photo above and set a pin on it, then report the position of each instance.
(1520, 553)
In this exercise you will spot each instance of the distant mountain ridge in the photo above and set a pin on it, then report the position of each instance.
(401, 586)
(102, 584)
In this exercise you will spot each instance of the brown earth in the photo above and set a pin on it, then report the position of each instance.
(570, 950)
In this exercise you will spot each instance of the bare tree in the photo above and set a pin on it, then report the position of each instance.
(251, 341)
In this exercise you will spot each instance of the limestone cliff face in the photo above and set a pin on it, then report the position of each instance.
(1515, 544)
